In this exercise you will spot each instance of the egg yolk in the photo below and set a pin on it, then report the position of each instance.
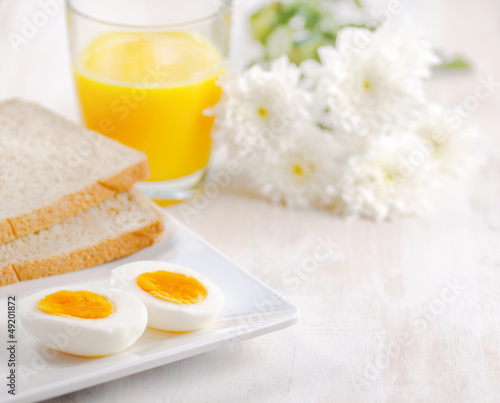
(76, 304)
(172, 287)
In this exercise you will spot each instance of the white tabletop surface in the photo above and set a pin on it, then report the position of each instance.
(411, 312)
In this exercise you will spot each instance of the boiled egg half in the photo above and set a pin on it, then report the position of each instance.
(178, 299)
(91, 321)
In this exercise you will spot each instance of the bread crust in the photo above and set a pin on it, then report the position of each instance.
(127, 178)
(71, 204)
(81, 258)
(8, 276)
(6, 233)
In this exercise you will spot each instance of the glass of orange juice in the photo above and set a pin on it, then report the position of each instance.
(145, 73)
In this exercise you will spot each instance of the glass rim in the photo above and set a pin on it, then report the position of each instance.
(223, 9)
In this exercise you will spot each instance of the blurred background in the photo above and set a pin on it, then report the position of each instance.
(457, 28)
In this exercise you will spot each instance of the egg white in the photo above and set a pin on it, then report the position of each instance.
(86, 337)
(165, 315)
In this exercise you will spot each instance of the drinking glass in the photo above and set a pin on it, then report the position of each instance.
(145, 73)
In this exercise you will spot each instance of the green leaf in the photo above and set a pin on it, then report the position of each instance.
(263, 22)
(456, 64)
(279, 42)
(275, 28)
(286, 13)
(308, 49)
(312, 16)
(358, 26)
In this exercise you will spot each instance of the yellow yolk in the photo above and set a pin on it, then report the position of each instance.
(76, 304)
(173, 287)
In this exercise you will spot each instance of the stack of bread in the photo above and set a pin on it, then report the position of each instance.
(67, 199)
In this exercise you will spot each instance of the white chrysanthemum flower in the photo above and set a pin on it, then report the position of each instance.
(391, 177)
(366, 83)
(303, 174)
(261, 105)
(399, 41)
(404, 45)
(311, 73)
(311, 76)
(370, 85)
(450, 146)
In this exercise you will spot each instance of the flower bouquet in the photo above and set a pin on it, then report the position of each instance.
(351, 132)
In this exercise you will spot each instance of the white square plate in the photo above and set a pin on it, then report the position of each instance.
(251, 309)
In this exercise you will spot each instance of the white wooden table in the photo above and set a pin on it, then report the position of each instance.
(411, 312)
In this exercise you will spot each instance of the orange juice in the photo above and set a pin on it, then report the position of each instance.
(149, 91)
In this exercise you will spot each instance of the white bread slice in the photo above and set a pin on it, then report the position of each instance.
(119, 226)
(51, 169)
